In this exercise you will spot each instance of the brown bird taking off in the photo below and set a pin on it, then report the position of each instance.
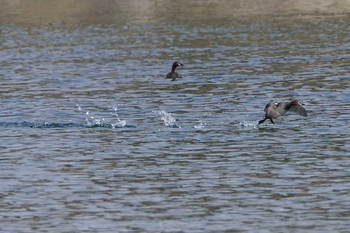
(174, 75)
(274, 110)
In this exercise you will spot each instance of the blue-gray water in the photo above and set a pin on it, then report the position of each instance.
(94, 139)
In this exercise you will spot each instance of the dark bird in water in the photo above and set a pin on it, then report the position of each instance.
(274, 110)
(174, 75)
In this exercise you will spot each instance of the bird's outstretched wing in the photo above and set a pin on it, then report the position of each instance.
(298, 109)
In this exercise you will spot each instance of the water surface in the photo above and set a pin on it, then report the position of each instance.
(94, 139)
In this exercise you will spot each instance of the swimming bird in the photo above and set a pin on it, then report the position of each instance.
(174, 75)
(274, 110)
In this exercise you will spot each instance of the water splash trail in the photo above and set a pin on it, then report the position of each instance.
(47, 125)
(249, 124)
(167, 118)
(91, 122)
(200, 125)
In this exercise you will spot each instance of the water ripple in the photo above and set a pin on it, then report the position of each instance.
(94, 139)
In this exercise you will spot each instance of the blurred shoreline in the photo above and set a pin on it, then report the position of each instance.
(38, 12)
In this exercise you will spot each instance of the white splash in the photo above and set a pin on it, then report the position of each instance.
(96, 121)
(200, 124)
(120, 123)
(249, 125)
(92, 121)
(167, 118)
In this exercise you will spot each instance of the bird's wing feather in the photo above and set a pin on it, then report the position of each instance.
(298, 109)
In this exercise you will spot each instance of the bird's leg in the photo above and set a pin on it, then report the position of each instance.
(272, 121)
(261, 121)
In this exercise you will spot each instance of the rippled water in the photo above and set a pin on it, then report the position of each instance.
(94, 139)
